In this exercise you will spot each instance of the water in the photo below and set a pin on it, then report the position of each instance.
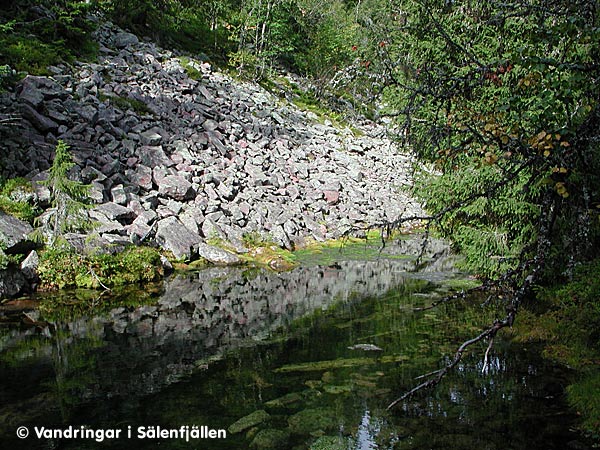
(279, 352)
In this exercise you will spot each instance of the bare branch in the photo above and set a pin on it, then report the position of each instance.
(487, 353)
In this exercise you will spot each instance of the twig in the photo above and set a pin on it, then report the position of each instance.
(462, 294)
(426, 375)
(487, 353)
(93, 274)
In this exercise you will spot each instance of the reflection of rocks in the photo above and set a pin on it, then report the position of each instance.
(198, 318)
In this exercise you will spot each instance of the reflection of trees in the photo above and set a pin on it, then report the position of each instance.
(74, 367)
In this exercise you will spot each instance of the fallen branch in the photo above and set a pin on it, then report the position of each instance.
(488, 333)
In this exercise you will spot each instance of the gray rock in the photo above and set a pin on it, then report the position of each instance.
(191, 217)
(104, 224)
(118, 194)
(141, 176)
(30, 265)
(116, 212)
(151, 138)
(176, 187)
(174, 236)
(210, 230)
(14, 234)
(123, 40)
(88, 113)
(12, 282)
(217, 255)
(153, 156)
(40, 122)
(96, 192)
(34, 89)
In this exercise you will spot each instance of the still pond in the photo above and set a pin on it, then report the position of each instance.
(307, 359)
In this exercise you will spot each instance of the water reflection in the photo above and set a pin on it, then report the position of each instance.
(221, 345)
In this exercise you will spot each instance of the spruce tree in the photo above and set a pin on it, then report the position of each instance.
(69, 198)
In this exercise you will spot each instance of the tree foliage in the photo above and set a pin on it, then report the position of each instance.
(502, 99)
(34, 35)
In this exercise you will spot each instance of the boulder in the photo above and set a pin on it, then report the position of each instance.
(217, 255)
(114, 211)
(211, 230)
(29, 266)
(150, 138)
(123, 40)
(176, 187)
(12, 282)
(332, 197)
(153, 156)
(175, 237)
(40, 122)
(14, 234)
(33, 90)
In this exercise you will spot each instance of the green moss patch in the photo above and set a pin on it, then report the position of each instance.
(16, 199)
(60, 268)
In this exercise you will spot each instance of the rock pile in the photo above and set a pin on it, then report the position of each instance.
(179, 160)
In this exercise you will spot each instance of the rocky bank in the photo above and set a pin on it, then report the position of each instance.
(177, 159)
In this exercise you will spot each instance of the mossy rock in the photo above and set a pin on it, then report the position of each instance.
(325, 365)
(284, 401)
(336, 389)
(313, 384)
(251, 420)
(311, 420)
(272, 257)
(270, 440)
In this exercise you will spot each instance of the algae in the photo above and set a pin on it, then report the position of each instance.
(318, 366)
(249, 421)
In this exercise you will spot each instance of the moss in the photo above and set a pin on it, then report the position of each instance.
(320, 366)
(270, 440)
(272, 257)
(462, 284)
(312, 420)
(60, 268)
(330, 443)
(188, 65)
(583, 396)
(126, 103)
(285, 401)
(68, 305)
(16, 199)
